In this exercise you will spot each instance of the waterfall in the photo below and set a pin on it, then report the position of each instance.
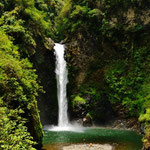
(61, 76)
(62, 80)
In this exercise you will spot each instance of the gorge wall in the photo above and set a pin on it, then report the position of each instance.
(44, 62)
(108, 59)
(107, 51)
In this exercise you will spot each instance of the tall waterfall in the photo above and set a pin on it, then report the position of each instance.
(61, 75)
(62, 80)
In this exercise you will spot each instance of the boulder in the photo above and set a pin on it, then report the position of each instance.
(87, 121)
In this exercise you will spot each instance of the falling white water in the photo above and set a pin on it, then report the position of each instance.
(61, 75)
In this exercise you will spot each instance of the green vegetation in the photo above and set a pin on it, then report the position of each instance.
(13, 132)
(113, 41)
(22, 25)
(19, 87)
(78, 100)
(108, 59)
(89, 100)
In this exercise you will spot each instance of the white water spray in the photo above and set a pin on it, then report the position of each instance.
(62, 80)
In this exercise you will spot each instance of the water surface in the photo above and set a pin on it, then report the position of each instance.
(122, 139)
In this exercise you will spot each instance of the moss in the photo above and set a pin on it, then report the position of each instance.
(146, 116)
(36, 127)
(78, 100)
(146, 138)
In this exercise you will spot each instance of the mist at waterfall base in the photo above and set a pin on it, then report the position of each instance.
(62, 80)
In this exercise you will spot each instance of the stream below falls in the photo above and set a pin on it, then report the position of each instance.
(119, 139)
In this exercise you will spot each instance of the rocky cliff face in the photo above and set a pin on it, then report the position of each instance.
(90, 56)
(87, 61)
(44, 62)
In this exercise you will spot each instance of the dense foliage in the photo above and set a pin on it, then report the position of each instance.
(120, 49)
(19, 87)
(108, 46)
(27, 21)
(23, 23)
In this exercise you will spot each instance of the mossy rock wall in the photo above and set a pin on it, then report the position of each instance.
(44, 62)
(118, 34)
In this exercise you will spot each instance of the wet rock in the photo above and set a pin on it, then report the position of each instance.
(124, 123)
(87, 121)
(142, 129)
(44, 63)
